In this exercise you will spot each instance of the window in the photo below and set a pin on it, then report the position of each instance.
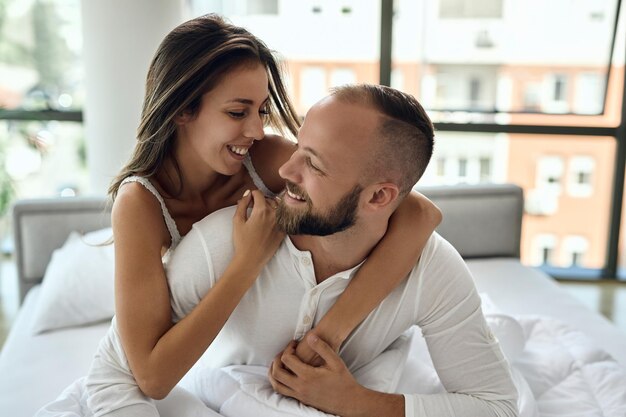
(441, 167)
(41, 72)
(589, 93)
(574, 248)
(341, 76)
(549, 174)
(262, 7)
(580, 176)
(555, 100)
(474, 91)
(463, 9)
(462, 167)
(312, 86)
(485, 169)
(532, 97)
(544, 247)
(397, 78)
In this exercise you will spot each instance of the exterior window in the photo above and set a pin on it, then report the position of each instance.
(532, 97)
(485, 169)
(269, 7)
(462, 167)
(341, 76)
(312, 86)
(580, 176)
(397, 78)
(575, 248)
(544, 245)
(474, 91)
(467, 9)
(589, 95)
(559, 88)
(555, 100)
(441, 167)
(549, 174)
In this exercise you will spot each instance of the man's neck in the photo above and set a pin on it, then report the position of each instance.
(341, 251)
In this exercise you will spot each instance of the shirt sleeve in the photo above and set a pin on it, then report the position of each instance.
(466, 355)
(189, 273)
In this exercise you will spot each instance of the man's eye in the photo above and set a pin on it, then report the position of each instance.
(309, 163)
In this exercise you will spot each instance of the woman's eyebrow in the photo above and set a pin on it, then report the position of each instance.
(246, 101)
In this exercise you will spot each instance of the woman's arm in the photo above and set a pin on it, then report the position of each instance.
(410, 227)
(160, 353)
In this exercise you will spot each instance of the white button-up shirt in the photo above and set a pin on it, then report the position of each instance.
(286, 301)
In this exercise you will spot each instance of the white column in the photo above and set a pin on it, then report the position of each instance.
(120, 38)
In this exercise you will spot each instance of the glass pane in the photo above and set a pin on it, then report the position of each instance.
(40, 55)
(566, 181)
(487, 60)
(324, 43)
(43, 159)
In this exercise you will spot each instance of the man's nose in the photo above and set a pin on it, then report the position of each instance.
(288, 170)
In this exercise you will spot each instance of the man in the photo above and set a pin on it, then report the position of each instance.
(360, 151)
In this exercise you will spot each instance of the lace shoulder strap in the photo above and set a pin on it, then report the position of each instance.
(169, 221)
(247, 162)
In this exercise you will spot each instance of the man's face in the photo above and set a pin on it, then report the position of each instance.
(323, 177)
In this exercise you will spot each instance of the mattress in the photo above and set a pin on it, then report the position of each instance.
(35, 369)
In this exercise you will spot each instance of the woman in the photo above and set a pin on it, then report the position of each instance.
(210, 90)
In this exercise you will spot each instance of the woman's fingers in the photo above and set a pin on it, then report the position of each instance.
(242, 207)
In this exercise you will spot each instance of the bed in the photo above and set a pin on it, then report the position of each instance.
(569, 360)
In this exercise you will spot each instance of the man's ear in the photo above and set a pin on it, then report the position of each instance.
(382, 195)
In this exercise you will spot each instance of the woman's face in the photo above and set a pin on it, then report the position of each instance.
(230, 119)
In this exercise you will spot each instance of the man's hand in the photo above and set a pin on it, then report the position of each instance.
(330, 387)
(305, 352)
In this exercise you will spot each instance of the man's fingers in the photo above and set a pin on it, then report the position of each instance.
(281, 388)
(323, 349)
(293, 362)
(281, 374)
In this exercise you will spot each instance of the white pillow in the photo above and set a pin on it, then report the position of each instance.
(77, 288)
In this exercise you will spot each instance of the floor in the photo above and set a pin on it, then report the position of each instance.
(609, 298)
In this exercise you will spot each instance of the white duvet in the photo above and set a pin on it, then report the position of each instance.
(558, 372)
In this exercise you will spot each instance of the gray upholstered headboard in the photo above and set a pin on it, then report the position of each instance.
(41, 226)
(480, 221)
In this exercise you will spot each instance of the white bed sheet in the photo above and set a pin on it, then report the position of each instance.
(519, 290)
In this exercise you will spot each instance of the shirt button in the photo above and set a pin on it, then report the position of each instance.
(313, 292)
(307, 320)
(306, 261)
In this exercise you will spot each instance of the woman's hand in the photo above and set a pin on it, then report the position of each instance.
(255, 235)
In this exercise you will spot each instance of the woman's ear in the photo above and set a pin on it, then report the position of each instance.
(383, 195)
(183, 118)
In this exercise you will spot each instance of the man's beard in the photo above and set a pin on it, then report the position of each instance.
(305, 222)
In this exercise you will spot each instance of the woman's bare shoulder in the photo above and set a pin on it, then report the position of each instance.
(137, 212)
(268, 155)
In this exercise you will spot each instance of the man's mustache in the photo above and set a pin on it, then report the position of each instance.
(294, 189)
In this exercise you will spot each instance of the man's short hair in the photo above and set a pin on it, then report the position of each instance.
(405, 136)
